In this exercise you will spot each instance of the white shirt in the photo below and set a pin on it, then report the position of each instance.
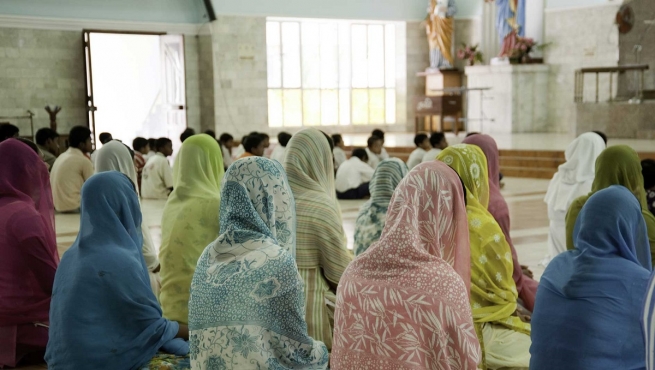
(279, 153)
(383, 155)
(157, 178)
(373, 159)
(68, 174)
(351, 174)
(339, 156)
(227, 156)
(416, 158)
(238, 152)
(431, 155)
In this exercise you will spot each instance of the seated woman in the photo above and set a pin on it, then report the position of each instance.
(572, 180)
(115, 156)
(526, 286)
(104, 314)
(373, 213)
(247, 301)
(404, 304)
(505, 335)
(28, 254)
(617, 165)
(190, 221)
(590, 302)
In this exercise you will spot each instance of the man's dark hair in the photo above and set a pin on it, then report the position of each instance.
(187, 134)
(225, 138)
(648, 171)
(337, 139)
(7, 130)
(105, 137)
(379, 133)
(130, 150)
(371, 140)
(153, 143)
(329, 139)
(361, 154)
(472, 133)
(139, 143)
(283, 138)
(419, 139)
(78, 135)
(162, 142)
(211, 133)
(602, 135)
(252, 141)
(44, 134)
(436, 138)
(264, 135)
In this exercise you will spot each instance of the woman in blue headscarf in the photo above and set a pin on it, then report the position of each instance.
(373, 213)
(104, 314)
(247, 306)
(589, 303)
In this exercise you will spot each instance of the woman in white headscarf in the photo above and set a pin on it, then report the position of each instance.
(572, 180)
(115, 156)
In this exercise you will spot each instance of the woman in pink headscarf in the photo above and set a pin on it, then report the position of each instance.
(28, 253)
(525, 285)
(404, 303)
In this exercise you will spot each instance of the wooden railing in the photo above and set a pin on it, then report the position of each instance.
(580, 74)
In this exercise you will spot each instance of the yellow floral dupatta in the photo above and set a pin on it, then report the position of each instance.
(493, 291)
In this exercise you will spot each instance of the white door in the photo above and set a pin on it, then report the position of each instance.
(173, 87)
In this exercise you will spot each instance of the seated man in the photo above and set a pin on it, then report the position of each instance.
(141, 149)
(353, 176)
(71, 170)
(422, 143)
(254, 145)
(157, 177)
(280, 151)
(46, 140)
(383, 152)
(104, 138)
(439, 143)
(338, 152)
(8, 131)
(374, 151)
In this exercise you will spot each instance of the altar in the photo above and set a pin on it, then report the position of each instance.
(516, 101)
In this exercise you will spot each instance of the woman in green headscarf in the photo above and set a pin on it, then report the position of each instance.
(616, 165)
(190, 221)
(504, 336)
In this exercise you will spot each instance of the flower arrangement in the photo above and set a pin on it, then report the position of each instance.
(522, 47)
(470, 54)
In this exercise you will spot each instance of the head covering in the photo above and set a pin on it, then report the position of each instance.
(190, 220)
(246, 287)
(27, 235)
(493, 291)
(590, 300)
(617, 165)
(321, 254)
(498, 208)
(373, 213)
(114, 156)
(573, 178)
(104, 314)
(405, 301)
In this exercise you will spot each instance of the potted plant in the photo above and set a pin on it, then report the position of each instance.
(470, 54)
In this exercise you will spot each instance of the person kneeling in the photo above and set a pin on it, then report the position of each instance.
(353, 176)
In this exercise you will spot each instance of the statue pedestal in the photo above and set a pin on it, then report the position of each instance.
(447, 112)
(517, 101)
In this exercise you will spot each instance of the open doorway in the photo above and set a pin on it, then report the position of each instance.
(135, 85)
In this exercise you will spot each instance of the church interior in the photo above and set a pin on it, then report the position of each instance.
(557, 98)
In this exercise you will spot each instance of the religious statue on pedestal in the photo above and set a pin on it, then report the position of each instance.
(439, 28)
(510, 23)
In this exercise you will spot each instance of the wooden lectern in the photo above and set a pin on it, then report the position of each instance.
(443, 104)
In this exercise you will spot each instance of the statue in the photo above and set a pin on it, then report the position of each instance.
(52, 112)
(439, 28)
(510, 23)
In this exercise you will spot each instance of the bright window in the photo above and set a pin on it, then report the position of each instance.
(328, 73)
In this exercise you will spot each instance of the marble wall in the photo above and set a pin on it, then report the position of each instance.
(641, 34)
(192, 82)
(206, 82)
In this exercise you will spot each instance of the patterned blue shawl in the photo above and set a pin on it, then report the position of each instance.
(247, 302)
(588, 309)
(373, 213)
(104, 314)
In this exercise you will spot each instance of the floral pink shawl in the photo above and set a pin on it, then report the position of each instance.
(526, 287)
(404, 303)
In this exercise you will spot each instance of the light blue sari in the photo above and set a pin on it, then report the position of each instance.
(247, 302)
(373, 214)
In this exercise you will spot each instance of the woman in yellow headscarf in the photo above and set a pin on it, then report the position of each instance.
(616, 165)
(190, 221)
(504, 336)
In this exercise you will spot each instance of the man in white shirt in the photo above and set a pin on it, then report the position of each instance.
(422, 143)
(338, 152)
(374, 151)
(157, 177)
(280, 150)
(383, 153)
(104, 138)
(353, 177)
(439, 143)
(71, 170)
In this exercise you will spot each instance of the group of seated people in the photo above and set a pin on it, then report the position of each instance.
(254, 270)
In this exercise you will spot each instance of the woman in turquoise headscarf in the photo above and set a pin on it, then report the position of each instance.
(373, 213)
(247, 306)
